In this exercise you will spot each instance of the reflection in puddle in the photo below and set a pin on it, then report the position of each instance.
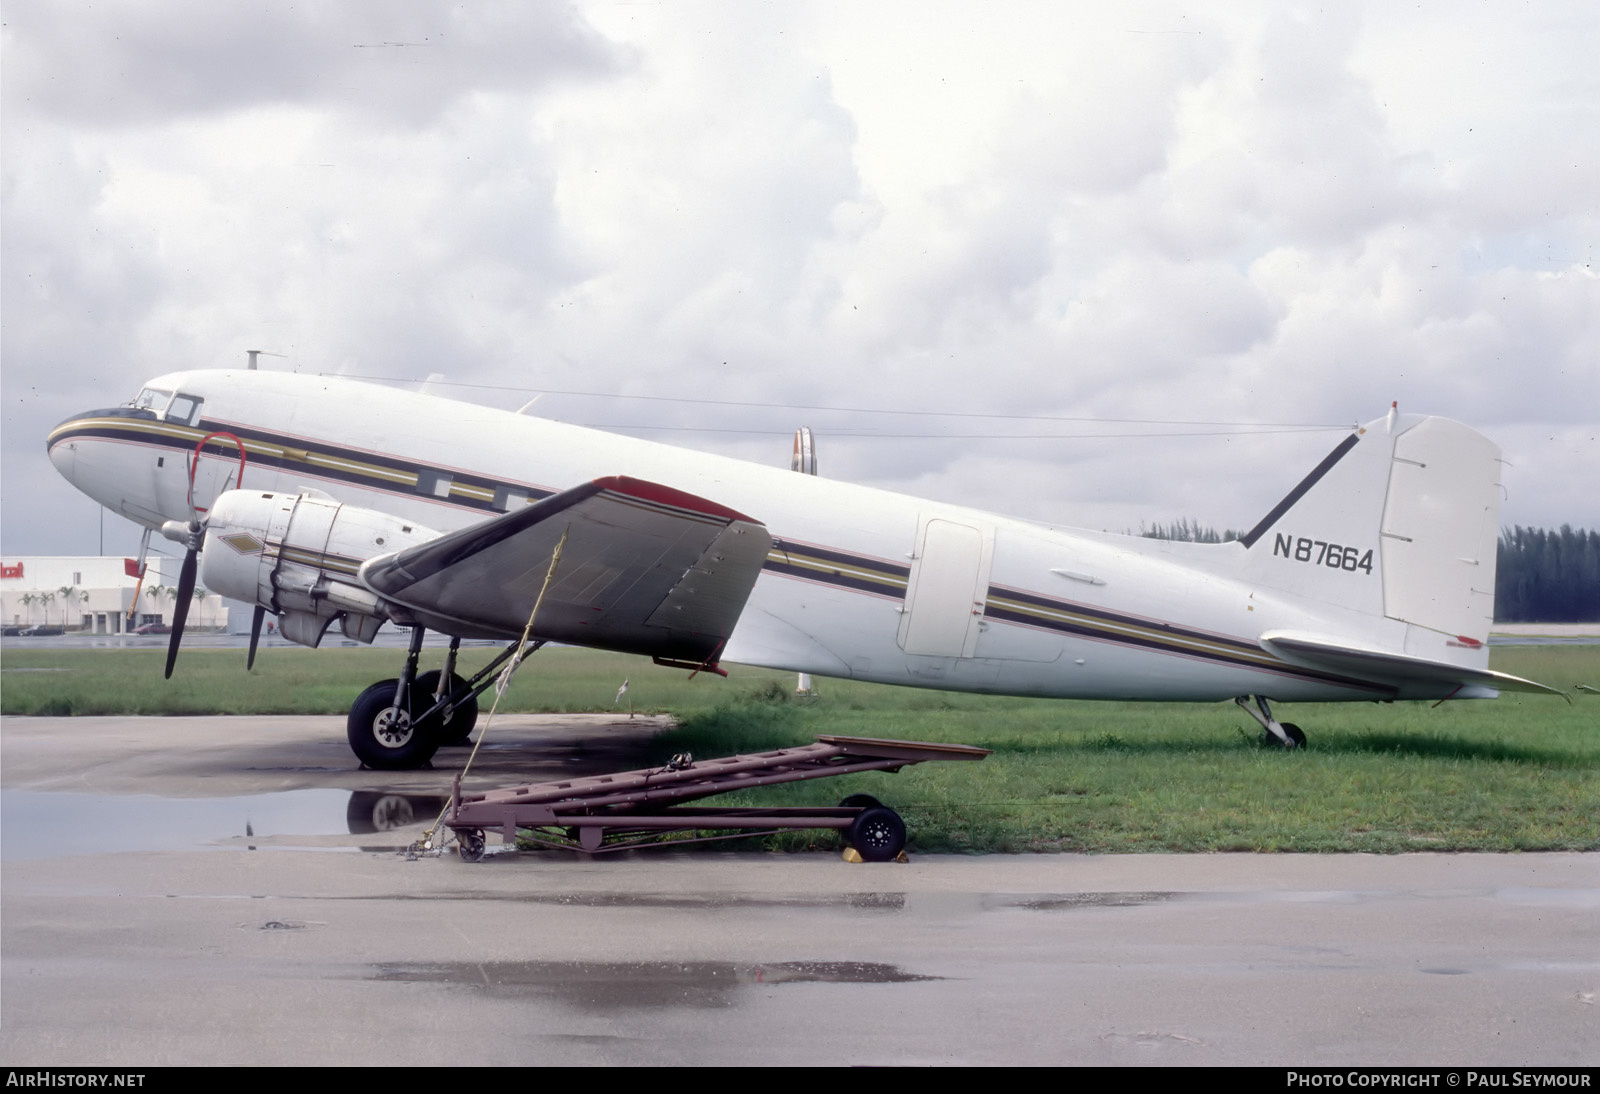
(385, 810)
(709, 901)
(43, 824)
(614, 985)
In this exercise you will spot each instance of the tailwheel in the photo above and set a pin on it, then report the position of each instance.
(878, 834)
(1297, 737)
(454, 725)
(383, 735)
(1274, 732)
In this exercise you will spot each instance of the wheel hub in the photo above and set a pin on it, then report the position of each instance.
(876, 833)
(392, 727)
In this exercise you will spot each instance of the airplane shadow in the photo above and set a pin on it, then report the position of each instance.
(1448, 748)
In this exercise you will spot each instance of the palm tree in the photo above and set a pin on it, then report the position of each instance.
(155, 593)
(28, 601)
(69, 594)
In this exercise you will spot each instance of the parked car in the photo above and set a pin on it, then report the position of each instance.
(152, 628)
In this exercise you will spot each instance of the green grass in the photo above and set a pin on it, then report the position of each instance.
(1517, 773)
(302, 681)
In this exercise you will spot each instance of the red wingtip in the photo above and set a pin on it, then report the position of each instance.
(666, 495)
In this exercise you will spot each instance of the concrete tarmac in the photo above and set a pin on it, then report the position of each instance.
(290, 937)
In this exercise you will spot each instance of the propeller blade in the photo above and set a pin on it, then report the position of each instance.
(255, 636)
(180, 610)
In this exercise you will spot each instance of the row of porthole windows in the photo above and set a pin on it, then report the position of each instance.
(436, 484)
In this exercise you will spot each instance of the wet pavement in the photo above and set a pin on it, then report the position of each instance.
(215, 890)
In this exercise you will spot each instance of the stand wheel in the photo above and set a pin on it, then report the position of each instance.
(861, 801)
(471, 844)
(878, 834)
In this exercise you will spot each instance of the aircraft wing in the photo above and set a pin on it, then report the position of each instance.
(645, 569)
(1314, 651)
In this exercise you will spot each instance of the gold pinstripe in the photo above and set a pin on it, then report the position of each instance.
(1159, 635)
(191, 436)
(829, 568)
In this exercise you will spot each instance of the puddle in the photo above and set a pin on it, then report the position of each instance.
(1069, 901)
(711, 901)
(623, 984)
(42, 824)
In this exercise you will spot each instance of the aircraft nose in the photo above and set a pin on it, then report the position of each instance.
(63, 450)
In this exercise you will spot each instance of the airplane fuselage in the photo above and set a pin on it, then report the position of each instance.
(860, 582)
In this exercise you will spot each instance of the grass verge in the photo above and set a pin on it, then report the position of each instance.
(1517, 773)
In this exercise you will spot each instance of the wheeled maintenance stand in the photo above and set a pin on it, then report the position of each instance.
(634, 808)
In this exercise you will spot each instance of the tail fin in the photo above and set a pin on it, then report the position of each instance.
(1399, 521)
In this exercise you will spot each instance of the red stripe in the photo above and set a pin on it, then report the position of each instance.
(666, 495)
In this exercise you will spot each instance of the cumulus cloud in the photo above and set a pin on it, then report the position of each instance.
(126, 62)
(1263, 214)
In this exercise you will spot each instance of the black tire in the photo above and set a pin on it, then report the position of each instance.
(383, 736)
(1297, 739)
(377, 811)
(471, 844)
(456, 728)
(878, 835)
(861, 801)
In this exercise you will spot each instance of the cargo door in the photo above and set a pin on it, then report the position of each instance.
(948, 587)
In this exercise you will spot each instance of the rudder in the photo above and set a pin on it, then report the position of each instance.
(1399, 520)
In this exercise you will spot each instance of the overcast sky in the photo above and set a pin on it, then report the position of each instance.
(1109, 217)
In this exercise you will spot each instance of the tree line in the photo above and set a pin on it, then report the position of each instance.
(1541, 576)
(1548, 576)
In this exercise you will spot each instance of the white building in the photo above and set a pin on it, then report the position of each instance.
(96, 594)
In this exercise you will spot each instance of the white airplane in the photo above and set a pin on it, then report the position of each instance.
(321, 499)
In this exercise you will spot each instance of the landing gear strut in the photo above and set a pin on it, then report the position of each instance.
(453, 723)
(383, 728)
(399, 724)
(1282, 734)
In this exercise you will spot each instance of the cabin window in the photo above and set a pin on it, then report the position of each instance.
(433, 483)
(152, 398)
(185, 409)
(507, 498)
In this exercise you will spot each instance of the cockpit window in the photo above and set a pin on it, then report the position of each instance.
(184, 408)
(152, 399)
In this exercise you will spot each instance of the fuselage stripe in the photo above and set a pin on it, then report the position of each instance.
(816, 564)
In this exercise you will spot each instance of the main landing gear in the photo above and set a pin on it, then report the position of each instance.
(1282, 734)
(399, 724)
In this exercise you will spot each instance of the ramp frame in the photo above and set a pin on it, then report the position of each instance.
(634, 808)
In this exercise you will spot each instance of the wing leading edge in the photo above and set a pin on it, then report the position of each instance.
(646, 569)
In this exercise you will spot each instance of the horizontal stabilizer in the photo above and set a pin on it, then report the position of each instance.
(1313, 651)
(644, 569)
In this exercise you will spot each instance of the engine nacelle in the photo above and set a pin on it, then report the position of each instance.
(297, 556)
